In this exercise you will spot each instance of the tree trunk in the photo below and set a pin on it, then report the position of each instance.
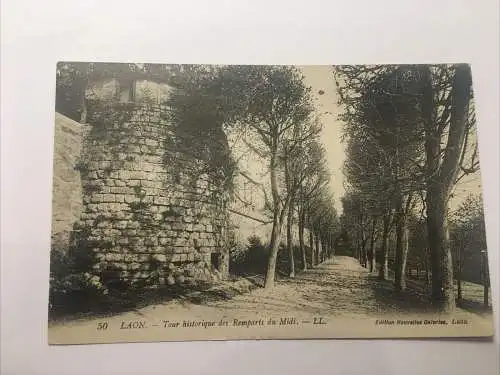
(459, 286)
(273, 251)
(441, 177)
(486, 277)
(364, 242)
(401, 247)
(311, 245)
(401, 256)
(441, 262)
(277, 222)
(384, 267)
(364, 257)
(458, 273)
(427, 272)
(318, 250)
(301, 239)
(328, 245)
(334, 245)
(289, 238)
(485, 296)
(371, 255)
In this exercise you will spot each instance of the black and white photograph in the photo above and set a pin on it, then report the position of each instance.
(228, 202)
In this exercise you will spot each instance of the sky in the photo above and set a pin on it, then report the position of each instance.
(320, 78)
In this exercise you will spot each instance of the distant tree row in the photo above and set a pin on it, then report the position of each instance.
(410, 133)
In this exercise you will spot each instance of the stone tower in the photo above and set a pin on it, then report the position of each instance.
(150, 215)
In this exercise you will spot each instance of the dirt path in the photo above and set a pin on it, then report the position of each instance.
(336, 288)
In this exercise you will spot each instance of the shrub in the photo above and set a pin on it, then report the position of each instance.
(253, 258)
(283, 261)
(72, 288)
(249, 259)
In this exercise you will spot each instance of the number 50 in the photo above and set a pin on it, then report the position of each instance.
(102, 326)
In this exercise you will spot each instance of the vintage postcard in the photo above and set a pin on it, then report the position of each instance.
(222, 202)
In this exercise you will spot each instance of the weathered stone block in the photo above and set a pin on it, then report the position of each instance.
(136, 241)
(108, 198)
(111, 233)
(163, 241)
(131, 258)
(148, 199)
(97, 198)
(123, 241)
(150, 242)
(114, 257)
(119, 198)
(125, 175)
(121, 190)
(131, 199)
(133, 225)
(133, 183)
(177, 226)
(180, 242)
(179, 249)
(161, 201)
(198, 227)
(135, 266)
(160, 258)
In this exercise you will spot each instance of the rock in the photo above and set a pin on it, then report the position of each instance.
(170, 280)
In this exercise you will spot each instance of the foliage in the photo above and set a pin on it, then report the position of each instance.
(198, 115)
(409, 133)
(274, 105)
(250, 258)
(70, 282)
(468, 238)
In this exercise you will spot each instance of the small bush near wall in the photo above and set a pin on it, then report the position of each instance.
(72, 289)
(252, 258)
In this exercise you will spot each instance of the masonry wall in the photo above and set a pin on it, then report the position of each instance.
(149, 216)
(67, 202)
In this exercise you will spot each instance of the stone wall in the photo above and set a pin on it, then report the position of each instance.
(150, 215)
(67, 202)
